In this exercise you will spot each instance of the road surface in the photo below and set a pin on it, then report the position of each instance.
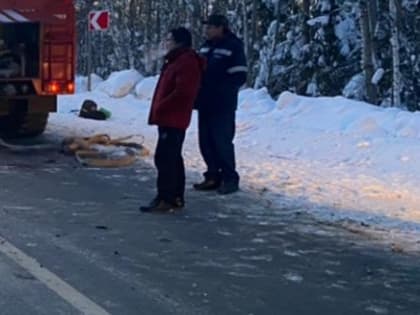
(72, 241)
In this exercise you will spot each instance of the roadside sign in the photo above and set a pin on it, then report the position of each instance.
(99, 20)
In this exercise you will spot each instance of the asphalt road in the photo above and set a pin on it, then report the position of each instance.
(72, 241)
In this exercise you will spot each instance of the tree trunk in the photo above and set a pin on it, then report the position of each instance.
(252, 58)
(157, 39)
(245, 31)
(367, 52)
(306, 5)
(275, 40)
(395, 44)
(373, 22)
(148, 36)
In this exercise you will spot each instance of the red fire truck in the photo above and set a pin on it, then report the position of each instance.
(37, 62)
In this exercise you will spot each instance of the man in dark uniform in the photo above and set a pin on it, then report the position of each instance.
(217, 102)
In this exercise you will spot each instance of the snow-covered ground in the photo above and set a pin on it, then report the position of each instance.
(339, 159)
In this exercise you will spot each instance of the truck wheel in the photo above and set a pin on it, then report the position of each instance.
(23, 125)
(33, 124)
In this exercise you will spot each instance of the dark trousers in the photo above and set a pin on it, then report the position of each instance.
(216, 134)
(170, 164)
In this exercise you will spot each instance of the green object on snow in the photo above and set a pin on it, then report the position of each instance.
(106, 112)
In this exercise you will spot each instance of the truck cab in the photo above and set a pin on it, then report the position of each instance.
(37, 62)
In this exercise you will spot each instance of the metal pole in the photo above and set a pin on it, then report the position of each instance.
(89, 61)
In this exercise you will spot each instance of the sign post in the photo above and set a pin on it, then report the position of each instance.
(97, 21)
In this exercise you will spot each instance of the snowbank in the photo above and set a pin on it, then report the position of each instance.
(145, 88)
(338, 114)
(121, 83)
(339, 159)
(255, 102)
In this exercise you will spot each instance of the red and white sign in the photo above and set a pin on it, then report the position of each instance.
(99, 20)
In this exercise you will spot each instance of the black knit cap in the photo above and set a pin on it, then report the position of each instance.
(182, 36)
(217, 20)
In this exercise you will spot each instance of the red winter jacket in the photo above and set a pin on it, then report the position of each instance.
(177, 89)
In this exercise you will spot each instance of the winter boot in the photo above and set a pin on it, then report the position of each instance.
(158, 206)
(207, 185)
(228, 188)
(179, 203)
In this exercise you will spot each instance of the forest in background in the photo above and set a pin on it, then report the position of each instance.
(363, 49)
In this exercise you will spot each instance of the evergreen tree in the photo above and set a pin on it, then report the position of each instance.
(311, 47)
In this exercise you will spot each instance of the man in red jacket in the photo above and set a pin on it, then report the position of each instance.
(171, 111)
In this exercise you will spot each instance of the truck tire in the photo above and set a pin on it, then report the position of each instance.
(23, 125)
(33, 124)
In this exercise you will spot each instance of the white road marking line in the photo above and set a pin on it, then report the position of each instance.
(52, 281)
